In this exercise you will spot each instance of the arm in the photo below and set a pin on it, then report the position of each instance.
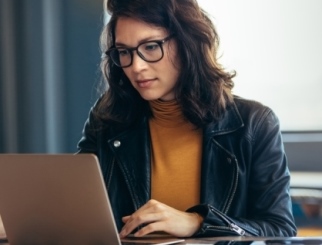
(269, 211)
(88, 142)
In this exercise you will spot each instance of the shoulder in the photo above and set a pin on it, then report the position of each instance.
(258, 118)
(252, 109)
(249, 105)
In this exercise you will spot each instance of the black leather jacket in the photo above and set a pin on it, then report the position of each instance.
(244, 176)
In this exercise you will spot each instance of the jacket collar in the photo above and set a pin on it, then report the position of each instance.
(230, 121)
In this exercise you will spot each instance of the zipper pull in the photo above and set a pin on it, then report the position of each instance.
(237, 229)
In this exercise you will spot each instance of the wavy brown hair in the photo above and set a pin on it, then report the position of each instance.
(203, 88)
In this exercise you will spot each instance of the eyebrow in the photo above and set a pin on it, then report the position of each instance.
(120, 44)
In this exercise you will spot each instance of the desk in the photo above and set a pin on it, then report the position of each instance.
(309, 231)
(213, 240)
(304, 232)
(239, 240)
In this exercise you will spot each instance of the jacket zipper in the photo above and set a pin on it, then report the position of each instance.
(235, 183)
(237, 229)
(136, 206)
(232, 226)
(234, 186)
(108, 176)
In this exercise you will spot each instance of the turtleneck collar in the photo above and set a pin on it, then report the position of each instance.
(167, 113)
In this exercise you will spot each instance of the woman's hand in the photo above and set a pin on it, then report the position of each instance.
(157, 216)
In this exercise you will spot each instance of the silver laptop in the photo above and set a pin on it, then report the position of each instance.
(56, 199)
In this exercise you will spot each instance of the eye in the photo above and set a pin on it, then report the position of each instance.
(151, 46)
(123, 52)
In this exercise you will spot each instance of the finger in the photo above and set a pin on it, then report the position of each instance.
(137, 220)
(151, 227)
(179, 224)
(126, 218)
(150, 207)
(132, 221)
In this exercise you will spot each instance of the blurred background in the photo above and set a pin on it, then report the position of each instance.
(49, 73)
(49, 69)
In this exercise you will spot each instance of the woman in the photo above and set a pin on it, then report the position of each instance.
(179, 153)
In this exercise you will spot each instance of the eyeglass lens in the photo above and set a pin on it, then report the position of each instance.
(149, 51)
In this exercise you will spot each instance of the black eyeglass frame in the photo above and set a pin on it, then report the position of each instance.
(130, 50)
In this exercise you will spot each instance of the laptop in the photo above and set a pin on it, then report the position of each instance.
(57, 199)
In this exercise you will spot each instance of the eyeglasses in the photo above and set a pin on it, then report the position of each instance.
(150, 51)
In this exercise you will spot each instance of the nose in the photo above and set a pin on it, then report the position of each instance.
(138, 64)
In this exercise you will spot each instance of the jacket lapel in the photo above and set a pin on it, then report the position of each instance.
(220, 170)
(132, 155)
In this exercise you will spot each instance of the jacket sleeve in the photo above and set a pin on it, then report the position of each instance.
(269, 202)
(88, 142)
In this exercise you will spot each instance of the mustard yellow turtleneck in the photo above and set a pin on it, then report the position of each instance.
(176, 156)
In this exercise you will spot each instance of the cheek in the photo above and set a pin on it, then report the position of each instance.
(172, 69)
(173, 63)
(173, 56)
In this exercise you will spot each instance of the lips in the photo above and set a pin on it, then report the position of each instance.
(144, 83)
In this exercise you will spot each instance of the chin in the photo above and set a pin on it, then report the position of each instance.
(157, 96)
(149, 97)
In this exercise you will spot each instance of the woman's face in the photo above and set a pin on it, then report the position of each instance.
(152, 80)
